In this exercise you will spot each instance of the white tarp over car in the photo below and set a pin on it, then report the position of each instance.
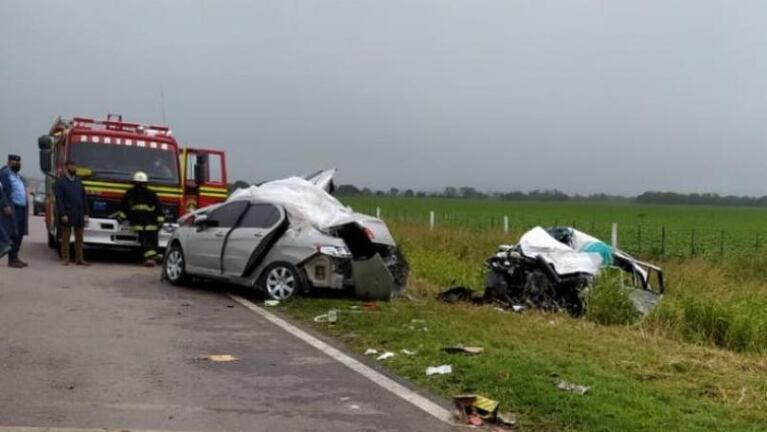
(304, 201)
(566, 260)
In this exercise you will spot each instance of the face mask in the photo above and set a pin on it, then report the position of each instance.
(16, 168)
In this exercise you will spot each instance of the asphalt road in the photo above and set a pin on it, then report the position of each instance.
(110, 346)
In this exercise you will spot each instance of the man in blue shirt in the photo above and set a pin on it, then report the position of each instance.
(13, 216)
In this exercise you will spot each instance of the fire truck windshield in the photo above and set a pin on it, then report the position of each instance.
(119, 162)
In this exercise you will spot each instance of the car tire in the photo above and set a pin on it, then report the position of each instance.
(174, 265)
(282, 281)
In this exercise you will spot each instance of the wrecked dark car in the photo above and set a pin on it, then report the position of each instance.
(553, 269)
(286, 237)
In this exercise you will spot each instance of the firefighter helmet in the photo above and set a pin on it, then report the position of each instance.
(140, 177)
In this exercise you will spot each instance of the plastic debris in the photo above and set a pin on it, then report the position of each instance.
(371, 351)
(386, 355)
(330, 317)
(407, 352)
(460, 349)
(439, 370)
(574, 388)
(271, 303)
(477, 410)
(517, 308)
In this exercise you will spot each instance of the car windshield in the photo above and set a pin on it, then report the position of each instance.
(120, 162)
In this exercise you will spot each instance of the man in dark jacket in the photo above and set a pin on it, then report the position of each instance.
(5, 240)
(72, 211)
(141, 207)
(13, 215)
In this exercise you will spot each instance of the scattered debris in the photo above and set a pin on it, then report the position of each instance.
(354, 406)
(370, 306)
(384, 356)
(460, 349)
(439, 370)
(330, 317)
(456, 294)
(407, 352)
(271, 303)
(476, 410)
(371, 351)
(230, 306)
(219, 358)
(575, 388)
(552, 269)
(345, 398)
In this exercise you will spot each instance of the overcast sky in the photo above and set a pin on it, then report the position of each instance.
(585, 96)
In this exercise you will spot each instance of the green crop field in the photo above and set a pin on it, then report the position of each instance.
(698, 362)
(651, 230)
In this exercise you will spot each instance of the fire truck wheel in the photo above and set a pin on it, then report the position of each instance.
(174, 265)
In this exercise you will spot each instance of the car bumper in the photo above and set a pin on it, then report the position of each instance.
(108, 233)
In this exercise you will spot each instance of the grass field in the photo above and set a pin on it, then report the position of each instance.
(696, 363)
(689, 230)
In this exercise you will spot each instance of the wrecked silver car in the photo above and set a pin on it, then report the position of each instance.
(287, 237)
(553, 269)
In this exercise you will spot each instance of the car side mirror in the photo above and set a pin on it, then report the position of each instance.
(202, 222)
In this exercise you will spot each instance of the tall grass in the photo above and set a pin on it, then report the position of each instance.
(722, 304)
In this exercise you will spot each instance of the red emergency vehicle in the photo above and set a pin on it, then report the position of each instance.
(108, 153)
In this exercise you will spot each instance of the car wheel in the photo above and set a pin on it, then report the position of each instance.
(174, 265)
(282, 281)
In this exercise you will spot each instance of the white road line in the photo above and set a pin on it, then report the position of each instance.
(378, 378)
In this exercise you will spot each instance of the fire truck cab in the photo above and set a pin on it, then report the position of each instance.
(107, 154)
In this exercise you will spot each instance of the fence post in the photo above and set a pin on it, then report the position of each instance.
(431, 220)
(692, 242)
(639, 238)
(614, 236)
(505, 224)
(378, 212)
(663, 240)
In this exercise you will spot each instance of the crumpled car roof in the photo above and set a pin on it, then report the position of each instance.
(305, 201)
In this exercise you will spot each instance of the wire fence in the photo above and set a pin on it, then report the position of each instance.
(639, 239)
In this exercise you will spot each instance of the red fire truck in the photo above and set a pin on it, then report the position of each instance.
(108, 153)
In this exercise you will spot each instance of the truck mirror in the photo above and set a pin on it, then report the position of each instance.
(45, 142)
(45, 161)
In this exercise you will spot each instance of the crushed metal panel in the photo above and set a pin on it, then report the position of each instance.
(372, 279)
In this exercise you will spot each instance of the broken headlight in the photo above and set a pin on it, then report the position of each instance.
(334, 251)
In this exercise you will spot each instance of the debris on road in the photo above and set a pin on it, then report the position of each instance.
(553, 269)
(385, 356)
(574, 388)
(219, 358)
(371, 351)
(457, 294)
(460, 349)
(271, 303)
(407, 352)
(476, 410)
(439, 370)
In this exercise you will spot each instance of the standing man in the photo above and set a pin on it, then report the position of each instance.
(5, 241)
(141, 207)
(72, 211)
(15, 209)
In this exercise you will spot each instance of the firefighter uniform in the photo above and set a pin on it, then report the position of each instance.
(141, 208)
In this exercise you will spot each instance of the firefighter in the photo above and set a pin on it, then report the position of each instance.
(141, 208)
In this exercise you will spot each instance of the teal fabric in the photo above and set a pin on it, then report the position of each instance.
(603, 249)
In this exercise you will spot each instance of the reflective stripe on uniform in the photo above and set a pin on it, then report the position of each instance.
(150, 228)
(150, 253)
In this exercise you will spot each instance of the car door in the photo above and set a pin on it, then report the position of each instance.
(251, 239)
(206, 242)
